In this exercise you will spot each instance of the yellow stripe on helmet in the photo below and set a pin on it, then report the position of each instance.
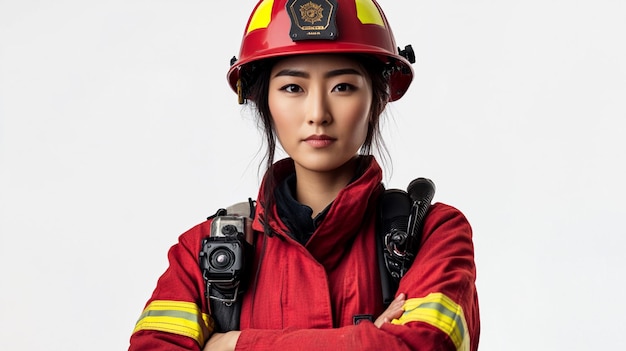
(177, 317)
(368, 13)
(261, 17)
(441, 312)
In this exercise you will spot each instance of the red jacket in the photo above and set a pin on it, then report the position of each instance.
(305, 297)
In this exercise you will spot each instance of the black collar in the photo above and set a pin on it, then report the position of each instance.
(296, 216)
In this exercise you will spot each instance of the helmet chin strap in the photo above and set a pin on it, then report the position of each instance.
(240, 98)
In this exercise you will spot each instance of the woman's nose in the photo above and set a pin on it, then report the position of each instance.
(317, 111)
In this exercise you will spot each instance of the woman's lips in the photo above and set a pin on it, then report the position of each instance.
(319, 141)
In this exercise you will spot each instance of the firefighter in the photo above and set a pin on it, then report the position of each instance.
(319, 74)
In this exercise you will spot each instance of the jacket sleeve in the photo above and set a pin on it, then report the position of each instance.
(442, 302)
(176, 316)
(441, 311)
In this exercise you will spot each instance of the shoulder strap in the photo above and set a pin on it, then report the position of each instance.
(245, 209)
(224, 301)
(399, 231)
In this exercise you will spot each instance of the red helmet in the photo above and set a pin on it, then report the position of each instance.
(291, 27)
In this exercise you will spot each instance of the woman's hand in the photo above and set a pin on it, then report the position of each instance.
(394, 310)
(222, 341)
(227, 341)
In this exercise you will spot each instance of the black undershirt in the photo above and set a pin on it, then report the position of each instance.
(298, 217)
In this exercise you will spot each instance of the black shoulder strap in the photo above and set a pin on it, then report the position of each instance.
(399, 232)
(225, 303)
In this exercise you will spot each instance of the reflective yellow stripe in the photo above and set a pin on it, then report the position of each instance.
(177, 317)
(368, 13)
(439, 311)
(262, 16)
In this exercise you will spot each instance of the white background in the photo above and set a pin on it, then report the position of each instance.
(118, 132)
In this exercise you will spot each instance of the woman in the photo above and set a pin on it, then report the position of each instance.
(320, 73)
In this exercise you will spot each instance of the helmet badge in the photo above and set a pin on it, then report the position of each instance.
(312, 19)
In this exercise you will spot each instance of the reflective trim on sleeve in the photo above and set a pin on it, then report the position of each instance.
(441, 312)
(177, 317)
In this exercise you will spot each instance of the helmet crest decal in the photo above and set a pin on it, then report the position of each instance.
(311, 12)
(312, 19)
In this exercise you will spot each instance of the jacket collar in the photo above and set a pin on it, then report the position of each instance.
(348, 213)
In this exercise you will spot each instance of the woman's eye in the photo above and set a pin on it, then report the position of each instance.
(343, 87)
(291, 88)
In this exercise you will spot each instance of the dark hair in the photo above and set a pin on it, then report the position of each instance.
(255, 81)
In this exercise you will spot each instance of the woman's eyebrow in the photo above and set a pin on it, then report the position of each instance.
(291, 73)
(342, 71)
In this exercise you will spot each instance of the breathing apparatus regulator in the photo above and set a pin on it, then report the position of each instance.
(399, 232)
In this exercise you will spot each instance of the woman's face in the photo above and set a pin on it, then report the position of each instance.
(320, 108)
